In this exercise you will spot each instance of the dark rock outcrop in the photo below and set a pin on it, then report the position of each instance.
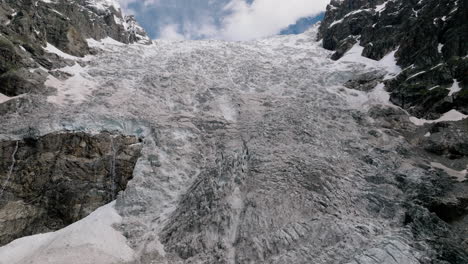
(431, 39)
(436, 204)
(27, 26)
(448, 139)
(365, 82)
(437, 213)
(54, 180)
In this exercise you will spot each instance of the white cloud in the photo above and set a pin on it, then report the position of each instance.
(171, 32)
(224, 19)
(266, 17)
(126, 3)
(204, 29)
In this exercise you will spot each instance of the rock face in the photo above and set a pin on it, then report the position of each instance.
(54, 180)
(430, 37)
(447, 139)
(436, 204)
(26, 26)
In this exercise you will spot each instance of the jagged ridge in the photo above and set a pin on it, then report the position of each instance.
(27, 26)
(431, 39)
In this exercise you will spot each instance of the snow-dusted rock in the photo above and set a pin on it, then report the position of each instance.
(428, 38)
(44, 34)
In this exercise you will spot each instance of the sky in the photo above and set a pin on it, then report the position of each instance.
(235, 20)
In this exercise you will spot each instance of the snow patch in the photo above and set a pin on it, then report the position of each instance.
(440, 47)
(437, 66)
(347, 15)
(452, 115)
(387, 63)
(460, 175)
(381, 7)
(60, 14)
(104, 43)
(52, 49)
(364, 100)
(354, 55)
(390, 64)
(103, 4)
(4, 98)
(415, 75)
(455, 88)
(72, 90)
(90, 240)
(336, 22)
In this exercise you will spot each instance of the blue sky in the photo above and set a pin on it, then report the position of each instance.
(223, 19)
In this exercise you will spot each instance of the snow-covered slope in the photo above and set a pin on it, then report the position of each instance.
(100, 4)
(103, 4)
(91, 240)
(254, 152)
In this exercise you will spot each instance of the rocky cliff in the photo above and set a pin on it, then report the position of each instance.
(50, 181)
(429, 41)
(28, 27)
(54, 180)
(430, 38)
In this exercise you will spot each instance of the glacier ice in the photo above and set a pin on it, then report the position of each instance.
(254, 152)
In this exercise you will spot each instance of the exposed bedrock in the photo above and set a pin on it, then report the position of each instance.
(52, 181)
(430, 39)
(436, 204)
(26, 28)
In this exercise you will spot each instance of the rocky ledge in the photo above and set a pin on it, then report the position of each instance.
(52, 181)
(430, 38)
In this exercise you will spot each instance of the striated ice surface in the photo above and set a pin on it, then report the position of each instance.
(254, 152)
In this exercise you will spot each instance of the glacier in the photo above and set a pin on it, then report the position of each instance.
(254, 152)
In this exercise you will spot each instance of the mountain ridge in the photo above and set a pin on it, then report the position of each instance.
(430, 39)
(27, 27)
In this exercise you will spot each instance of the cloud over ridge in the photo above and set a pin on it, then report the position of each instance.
(235, 20)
